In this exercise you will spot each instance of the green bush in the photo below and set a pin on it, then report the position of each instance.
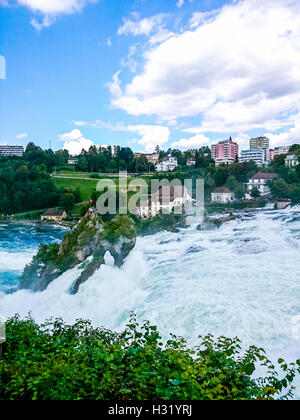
(119, 226)
(95, 176)
(60, 362)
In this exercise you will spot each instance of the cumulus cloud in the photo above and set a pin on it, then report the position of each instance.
(237, 68)
(150, 135)
(288, 137)
(242, 140)
(51, 9)
(195, 142)
(74, 142)
(22, 136)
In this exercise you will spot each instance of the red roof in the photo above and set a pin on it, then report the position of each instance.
(222, 190)
(263, 175)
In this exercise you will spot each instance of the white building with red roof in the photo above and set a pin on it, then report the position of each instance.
(166, 200)
(261, 181)
(222, 195)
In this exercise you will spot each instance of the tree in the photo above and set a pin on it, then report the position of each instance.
(232, 183)
(141, 164)
(295, 195)
(67, 202)
(280, 189)
(295, 147)
(255, 193)
(239, 193)
(82, 164)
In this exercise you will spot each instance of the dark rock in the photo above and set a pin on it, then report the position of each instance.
(91, 238)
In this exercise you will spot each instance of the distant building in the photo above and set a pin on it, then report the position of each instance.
(166, 199)
(191, 162)
(167, 165)
(6, 150)
(54, 215)
(73, 161)
(292, 159)
(281, 150)
(225, 152)
(260, 156)
(258, 142)
(222, 195)
(261, 181)
(151, 157)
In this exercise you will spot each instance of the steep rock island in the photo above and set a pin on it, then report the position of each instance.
(87, 245)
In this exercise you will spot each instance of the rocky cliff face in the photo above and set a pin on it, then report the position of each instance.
(86, 244)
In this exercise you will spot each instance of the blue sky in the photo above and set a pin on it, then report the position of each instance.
(145, 72)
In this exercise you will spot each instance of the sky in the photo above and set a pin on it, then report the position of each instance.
(141, 73)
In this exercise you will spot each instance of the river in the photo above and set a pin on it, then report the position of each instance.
(242, 279)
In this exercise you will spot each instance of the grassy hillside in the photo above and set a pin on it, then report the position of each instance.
(85, 186)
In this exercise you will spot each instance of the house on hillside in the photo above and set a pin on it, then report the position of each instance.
(165, 200)
(261, 181)
(72, 161)
(54, 215)
(292, 158)
(191, 162)
(167, 165)
(222, 195)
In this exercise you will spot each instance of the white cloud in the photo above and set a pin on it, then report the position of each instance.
(201, 17)
(80, 123)
(74, 142)
(149, 136)
(46, 22)
(180, 3)
(51, 9)
(21, 136)
(243, 141)
(238, 69)
(195, 142)
(55, 7)
(2, 67)
(140, 27)
(289, 137)
(114, 86)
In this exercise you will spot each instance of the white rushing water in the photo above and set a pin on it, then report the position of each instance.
(242, 279)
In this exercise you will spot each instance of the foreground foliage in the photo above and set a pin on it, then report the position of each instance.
(57, 361)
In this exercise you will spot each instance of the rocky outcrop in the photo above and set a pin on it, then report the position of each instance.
(213, 223)
(86, 244)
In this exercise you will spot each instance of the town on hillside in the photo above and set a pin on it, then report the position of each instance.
(63, 185)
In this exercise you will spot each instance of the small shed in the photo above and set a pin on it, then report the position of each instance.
(54, 215)
(222, 195)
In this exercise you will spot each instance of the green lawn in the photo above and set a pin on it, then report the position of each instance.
(85, 186)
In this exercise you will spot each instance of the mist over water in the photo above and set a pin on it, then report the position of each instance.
(242, 279)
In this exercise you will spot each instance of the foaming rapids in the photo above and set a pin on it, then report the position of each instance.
(242, 280)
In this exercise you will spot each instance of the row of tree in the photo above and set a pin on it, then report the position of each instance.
(104, 160)
(26, 184)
